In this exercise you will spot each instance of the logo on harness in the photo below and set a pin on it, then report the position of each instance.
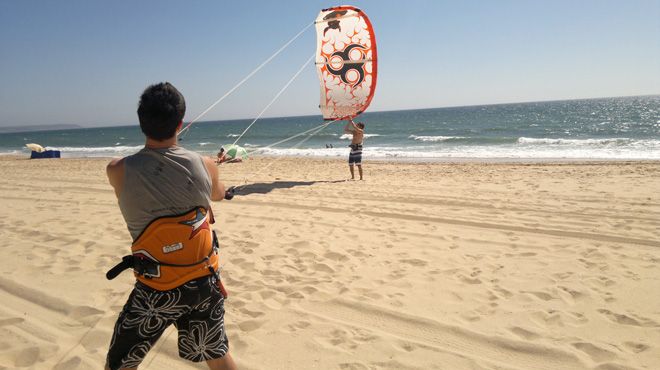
(172, 247)
(199, 223)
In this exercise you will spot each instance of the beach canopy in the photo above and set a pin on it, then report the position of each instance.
(345, 61)
(233, 151)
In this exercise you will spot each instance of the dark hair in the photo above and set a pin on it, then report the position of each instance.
(161, 109)
(360, 125)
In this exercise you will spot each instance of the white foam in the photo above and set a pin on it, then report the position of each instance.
(510, 151)
(434, 138)
(575, 142)
(11, 152)
(72, 151)
(350, 136)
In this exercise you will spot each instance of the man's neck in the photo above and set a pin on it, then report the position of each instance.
(155, 144)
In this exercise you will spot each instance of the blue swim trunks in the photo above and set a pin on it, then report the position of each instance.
(355, 157)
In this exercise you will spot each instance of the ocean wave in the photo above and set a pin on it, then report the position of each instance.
(434, 138)
(575, 142)
(511, 151)
(350, 136)
(205, 143)
(233, 135)
(99, 150)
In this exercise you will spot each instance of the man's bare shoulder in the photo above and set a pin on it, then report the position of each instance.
(116, 164)
(115, 172)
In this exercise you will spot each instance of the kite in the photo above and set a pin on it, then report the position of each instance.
(346, 61)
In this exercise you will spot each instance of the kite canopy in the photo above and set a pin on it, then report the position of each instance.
(345, 61)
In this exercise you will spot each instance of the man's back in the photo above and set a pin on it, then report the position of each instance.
(358, 136)
(162, 182)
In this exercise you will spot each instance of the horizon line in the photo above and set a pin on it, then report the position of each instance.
(410, 109)
(313, 115)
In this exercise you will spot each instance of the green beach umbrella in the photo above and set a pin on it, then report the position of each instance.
(234, 151)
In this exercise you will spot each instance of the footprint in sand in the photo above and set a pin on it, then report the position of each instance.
(503, 292)
(469, 280)
(72, 363)
(635, 347)
(541, 295)
(596, 353)
(27, 357)
(415, 262)
(570, 295)
(11, 321)
(85, 313)
(407, 346)
(250, 325)
(95, 339)
(322, 267)
(628, 320)
(335, 256)
(252, 314)
(353, 366)
(524, 333)
(550, 317)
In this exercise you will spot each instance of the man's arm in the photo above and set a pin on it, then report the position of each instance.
(217, 188)
(115, 172)
(349, 128)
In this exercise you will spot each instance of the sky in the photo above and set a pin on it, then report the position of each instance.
(86, 62)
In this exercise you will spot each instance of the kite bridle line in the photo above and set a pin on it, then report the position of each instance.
(275, 98)
(184, 130)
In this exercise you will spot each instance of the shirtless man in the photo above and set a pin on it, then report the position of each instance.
(355, 157)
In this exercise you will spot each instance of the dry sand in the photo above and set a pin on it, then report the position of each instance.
(421, 266)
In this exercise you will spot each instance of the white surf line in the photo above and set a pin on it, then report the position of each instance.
(245, 78)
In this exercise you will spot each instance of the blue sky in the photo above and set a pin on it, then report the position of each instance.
(86, 62)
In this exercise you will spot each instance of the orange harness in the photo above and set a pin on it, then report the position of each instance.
(173, 250)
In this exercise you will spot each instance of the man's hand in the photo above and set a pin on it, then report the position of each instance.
(217, 188)
(348, 129)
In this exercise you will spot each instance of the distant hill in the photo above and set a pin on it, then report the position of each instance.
(31, 128)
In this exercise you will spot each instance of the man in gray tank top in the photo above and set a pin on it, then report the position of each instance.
(163, 180)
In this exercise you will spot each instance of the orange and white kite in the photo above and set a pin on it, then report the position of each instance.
(345, 61)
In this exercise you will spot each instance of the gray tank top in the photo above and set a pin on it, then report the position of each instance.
(162, 182)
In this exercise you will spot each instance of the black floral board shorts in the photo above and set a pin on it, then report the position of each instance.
(196, 309)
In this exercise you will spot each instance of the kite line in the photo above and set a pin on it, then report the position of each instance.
(245, 78)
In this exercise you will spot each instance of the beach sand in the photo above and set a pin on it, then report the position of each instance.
(421, 266)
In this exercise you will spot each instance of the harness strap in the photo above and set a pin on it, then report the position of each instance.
(144, 266)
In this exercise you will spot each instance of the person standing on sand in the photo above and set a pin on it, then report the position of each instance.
(164, 184)
(355, 156)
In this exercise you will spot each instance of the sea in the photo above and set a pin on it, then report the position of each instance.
(622, 128)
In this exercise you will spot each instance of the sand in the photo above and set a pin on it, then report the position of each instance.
(421, 266)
